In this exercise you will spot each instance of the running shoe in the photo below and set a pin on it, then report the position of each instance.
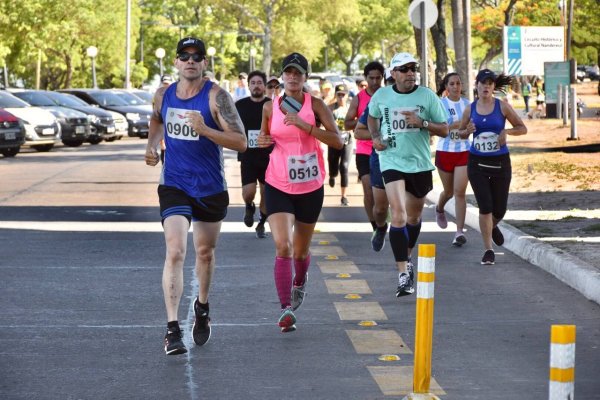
(344, 201)
(298, 293)
(287, 321)
(440, 218)
(488, 258)
(331, 181)
(201, 329)
(174, 342)
(249, 215)
(497, 236)
(410, 268)
(260, 230)
(378, 238)
(405, 286)
(459, 240)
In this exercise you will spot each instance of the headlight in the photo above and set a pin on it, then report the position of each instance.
(133, 116)
(93, 119)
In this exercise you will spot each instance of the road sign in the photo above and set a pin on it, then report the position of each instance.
(414, 13)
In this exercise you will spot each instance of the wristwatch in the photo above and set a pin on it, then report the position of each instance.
(425, 124)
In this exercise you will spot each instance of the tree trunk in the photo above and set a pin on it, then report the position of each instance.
(458, 34)
(438, 33)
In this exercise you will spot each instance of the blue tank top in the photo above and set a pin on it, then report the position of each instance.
(487, 128)
(193, 163)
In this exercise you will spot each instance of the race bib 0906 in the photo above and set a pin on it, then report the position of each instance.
(176, 126)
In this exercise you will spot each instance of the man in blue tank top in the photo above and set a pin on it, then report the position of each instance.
(196, 119)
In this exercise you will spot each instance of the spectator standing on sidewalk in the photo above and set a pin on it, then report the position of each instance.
(241, 91)
(196, 118)
(254, 161)
(339, 160)
(451, 157)
(489, 168)
(294, 179)
(373, 72)
(401, 119)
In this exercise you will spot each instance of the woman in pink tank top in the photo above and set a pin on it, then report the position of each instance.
(294, 179)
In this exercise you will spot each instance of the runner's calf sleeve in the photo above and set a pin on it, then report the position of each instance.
(413, 234)
(301, 268)
(283, 280)
(399, 243)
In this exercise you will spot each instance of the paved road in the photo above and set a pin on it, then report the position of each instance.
(83, 314)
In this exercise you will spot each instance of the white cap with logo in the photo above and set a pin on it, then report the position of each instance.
(401, 59)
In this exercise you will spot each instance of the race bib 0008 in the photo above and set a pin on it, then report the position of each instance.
(398, 120)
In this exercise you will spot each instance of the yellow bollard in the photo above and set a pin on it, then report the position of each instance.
(562, 362)
(424, 324)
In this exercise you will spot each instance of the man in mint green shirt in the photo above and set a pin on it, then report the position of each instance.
(401, 120)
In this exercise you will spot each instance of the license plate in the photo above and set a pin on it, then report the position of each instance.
(110, 129)
(80, 129)
(48, 131)
(10, 136)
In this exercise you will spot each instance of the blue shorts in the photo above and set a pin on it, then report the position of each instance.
(376, 177)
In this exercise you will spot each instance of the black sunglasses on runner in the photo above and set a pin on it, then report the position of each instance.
(186, 56)
(405, 68)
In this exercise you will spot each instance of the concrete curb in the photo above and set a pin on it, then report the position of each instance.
(569, 269)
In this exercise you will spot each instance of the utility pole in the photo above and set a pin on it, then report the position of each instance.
(128, 47)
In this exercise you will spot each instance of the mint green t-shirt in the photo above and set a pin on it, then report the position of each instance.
(408, 147)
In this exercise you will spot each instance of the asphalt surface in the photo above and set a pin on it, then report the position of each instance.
(83, 313)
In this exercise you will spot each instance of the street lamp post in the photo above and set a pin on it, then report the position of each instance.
(92, 52)
(160, 54)
(211, 51)
(252, 55)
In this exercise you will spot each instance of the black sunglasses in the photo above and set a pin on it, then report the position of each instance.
(186, 56)
(405, 68)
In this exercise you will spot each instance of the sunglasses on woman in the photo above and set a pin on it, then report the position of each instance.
(405, 68)
(186, 56)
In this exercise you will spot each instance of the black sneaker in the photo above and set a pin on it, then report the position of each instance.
(174, 343)
(497, 236)
(459, 240)
(201, 330)
(344, 201)
(489, 258)
(331, 181)
(260, 230)
(405, 286)
(249, 215)
(378, 238)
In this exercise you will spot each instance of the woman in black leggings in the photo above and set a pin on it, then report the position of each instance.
(489, 167)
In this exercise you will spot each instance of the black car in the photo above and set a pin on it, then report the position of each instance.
(103, 124)
(12, 134)
(137, 117)
(75, 125)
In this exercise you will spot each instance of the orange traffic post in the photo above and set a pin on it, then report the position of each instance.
(424, 325)
(562, 362)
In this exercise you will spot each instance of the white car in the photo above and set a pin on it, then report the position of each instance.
(121, 125)
(42, 130)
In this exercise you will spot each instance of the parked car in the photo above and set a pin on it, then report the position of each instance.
(12, 134)
(142, 94)
(75, 126)
(103, 124)
(121, 125)
(138, 118)
(132, 99)
(42, 130)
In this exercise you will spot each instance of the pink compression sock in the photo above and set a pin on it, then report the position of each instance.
(301, 268)
(283, 279)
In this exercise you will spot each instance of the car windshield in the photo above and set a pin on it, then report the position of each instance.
(7, 100)
(35, 98)
(66, 100)
(131, 99)
(108, 99)
(147, 97)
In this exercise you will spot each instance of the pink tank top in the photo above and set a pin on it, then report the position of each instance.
(296, 164)
(363, 146)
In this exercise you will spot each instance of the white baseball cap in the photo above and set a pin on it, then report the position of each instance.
(401, 59)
